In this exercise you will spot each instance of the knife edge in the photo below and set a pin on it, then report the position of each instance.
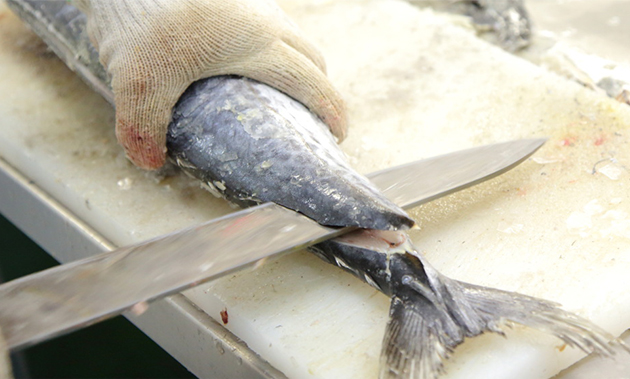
(71, 296)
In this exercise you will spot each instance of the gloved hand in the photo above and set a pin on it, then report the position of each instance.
(154, 49)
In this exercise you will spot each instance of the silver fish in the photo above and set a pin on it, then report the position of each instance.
(251, 143)
(243, 138)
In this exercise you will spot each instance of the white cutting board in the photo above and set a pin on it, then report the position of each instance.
(416, 85)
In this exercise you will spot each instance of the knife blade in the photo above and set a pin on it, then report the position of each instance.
(56, 301)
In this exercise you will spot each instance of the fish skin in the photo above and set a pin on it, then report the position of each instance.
(253, 144)
(430, 314)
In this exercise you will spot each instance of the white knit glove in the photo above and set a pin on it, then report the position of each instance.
(154, 49)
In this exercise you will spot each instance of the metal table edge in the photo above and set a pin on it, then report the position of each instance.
(190, 335)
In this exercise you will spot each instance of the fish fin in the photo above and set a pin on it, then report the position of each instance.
(430, 315)
(492, 308)
(414, 345)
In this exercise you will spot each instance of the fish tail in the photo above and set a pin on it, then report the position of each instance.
(431, 314)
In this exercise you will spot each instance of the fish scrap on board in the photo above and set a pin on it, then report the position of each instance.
(241, 138)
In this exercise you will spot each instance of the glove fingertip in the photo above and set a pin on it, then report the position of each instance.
(331, 109)
(142, 147)
(147, 160)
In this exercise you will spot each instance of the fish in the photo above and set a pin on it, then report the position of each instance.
(250, 143)
(507, 19)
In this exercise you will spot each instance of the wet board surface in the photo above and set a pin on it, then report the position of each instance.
(417, 85)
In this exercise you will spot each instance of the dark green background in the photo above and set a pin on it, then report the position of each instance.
(110, 349)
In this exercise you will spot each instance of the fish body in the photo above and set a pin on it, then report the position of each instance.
(251, 143)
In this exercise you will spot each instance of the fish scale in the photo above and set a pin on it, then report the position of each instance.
(284, 143)
(250, 124)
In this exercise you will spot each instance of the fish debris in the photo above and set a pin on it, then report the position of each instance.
(508, 20)
(269, 139)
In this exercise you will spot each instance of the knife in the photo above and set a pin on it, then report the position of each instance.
(59, 300)
(67, 297)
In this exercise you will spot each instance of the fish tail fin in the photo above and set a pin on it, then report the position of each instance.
(431, 314)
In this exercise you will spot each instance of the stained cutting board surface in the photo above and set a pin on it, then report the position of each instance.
(416, 85)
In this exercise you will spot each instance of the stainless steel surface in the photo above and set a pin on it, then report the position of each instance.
(105, 92)
(208, 349)
(44, 220)
(64, 298)
(174, 322)
(452, 172)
